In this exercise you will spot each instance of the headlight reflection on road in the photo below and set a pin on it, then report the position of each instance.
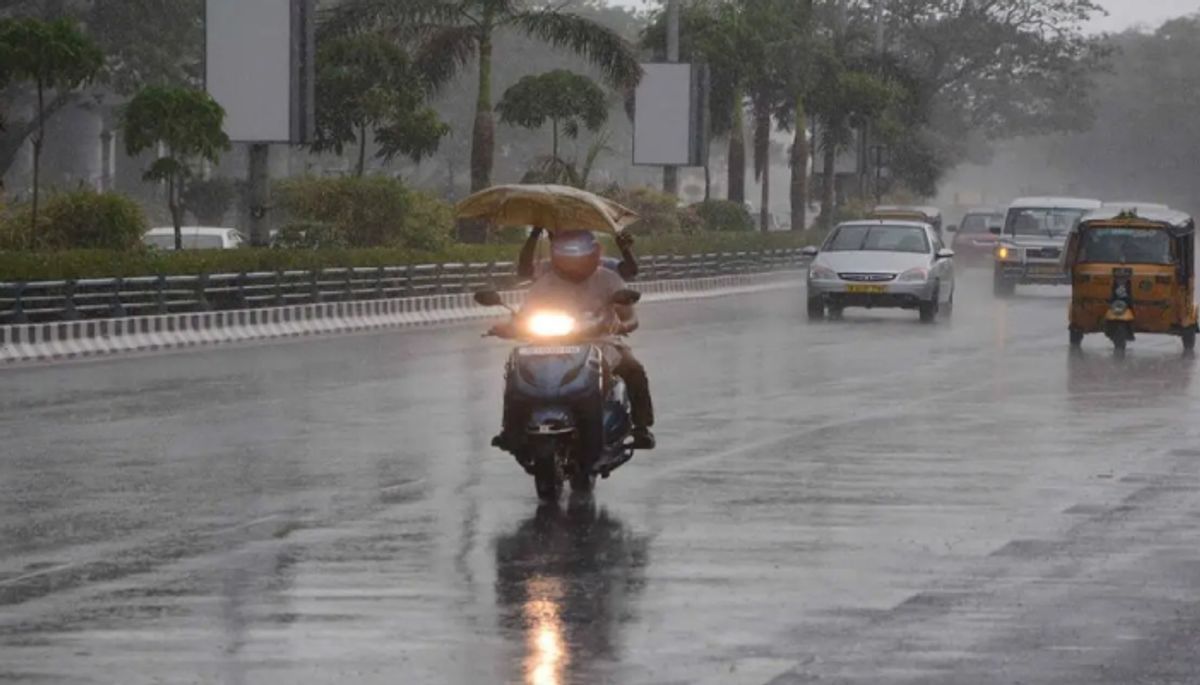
(547, 658)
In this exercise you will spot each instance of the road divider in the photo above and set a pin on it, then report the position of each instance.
(60, 341)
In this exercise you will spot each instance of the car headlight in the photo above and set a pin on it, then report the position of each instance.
(917, 274)
(1004, 253)
(551, 324)
(822, 273)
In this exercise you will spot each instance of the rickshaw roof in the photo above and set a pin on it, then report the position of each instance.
(925, 211)
(1177, 223)
(1054, 203)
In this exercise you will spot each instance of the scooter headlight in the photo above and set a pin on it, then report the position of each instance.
(551, 324)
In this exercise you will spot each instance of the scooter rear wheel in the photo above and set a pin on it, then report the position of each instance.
(547, 478)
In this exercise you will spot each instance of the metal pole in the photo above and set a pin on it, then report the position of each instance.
(670, 173)
(260, 194)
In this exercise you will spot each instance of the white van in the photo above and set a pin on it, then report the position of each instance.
(1032, 239)
(194, 238)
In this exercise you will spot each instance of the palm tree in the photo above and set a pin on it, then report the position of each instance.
(450, 33)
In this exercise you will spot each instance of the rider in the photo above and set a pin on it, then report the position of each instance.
(574, 280)
(627, 266)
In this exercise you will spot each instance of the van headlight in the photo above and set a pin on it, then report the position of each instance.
(551, 324)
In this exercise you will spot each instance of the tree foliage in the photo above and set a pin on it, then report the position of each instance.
(187, 125)
(367, 82)
(569, 101)
(54, 58)
(451, 33)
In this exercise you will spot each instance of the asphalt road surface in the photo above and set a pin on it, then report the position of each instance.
(864, 501)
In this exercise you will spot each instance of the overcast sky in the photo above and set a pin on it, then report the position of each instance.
(1122, 13)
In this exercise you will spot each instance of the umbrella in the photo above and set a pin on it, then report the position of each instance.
(552, 207)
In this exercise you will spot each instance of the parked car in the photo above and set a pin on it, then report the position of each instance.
(195, 238)
(897, 264)
(974, 243)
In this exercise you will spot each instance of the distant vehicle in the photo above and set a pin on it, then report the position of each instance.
(973, 242)
(925, 214)
(1032, 238)
(195, 238)
(884, 264)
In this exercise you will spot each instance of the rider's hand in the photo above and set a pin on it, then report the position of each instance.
(624, 240)
(535, 232)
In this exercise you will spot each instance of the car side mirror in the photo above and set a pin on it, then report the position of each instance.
(488, 298)
(994, 230)
(626, 298)
(809, 251)
(945, 253)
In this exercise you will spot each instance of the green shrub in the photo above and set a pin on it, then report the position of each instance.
(373, 211)
(77, 220)
(723, 215)
(307, 236)
(39, 266)
(659, 211)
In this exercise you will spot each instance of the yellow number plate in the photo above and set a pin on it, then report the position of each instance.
(867, 289)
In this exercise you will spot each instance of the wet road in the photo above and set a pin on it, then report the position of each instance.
(865, 501)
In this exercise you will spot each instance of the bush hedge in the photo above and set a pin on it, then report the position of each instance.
(81, 219)
(374, 211)
(37, 266)
(723, 215)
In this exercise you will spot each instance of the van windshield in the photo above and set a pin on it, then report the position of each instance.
(1048, 221)
(1125, 246)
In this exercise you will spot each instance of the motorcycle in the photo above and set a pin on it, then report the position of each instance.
(571, 411)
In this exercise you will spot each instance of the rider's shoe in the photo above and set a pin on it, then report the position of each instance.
(643, 439)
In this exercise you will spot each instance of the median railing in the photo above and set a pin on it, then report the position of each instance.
(40, 301)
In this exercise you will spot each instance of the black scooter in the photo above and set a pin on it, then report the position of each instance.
(567, 415)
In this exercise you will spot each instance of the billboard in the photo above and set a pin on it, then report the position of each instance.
(259, 65)
(670, 123)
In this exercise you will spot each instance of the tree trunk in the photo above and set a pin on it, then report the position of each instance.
(176, 211)
(362, 151)
(38, 139)
(483, 137)
(762, 162)
(554, 146)
(829, 189)
(707, 181)
(799, 164)
(736, 191)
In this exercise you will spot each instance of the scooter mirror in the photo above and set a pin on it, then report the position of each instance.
(488, 298)
(626, 298)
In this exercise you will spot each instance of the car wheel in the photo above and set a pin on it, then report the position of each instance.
(835, 312)
(929, 309)
(816, 309)
(1076, 337)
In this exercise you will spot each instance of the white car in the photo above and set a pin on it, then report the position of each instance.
(882, 263)
(195, 238)
(1032, 240)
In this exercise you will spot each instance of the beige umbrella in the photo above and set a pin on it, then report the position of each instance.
(552, 207)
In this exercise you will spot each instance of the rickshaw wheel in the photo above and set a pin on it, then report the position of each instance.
(1076, 337)
(1189, 339)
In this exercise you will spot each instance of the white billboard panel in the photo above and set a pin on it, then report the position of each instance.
(257, 67)
(670, 115)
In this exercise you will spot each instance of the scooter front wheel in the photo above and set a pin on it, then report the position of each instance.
(547, 477)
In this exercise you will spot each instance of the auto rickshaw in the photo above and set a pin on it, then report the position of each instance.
(1132, 271)
(928, 215)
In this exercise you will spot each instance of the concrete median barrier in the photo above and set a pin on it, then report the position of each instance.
(23, 343)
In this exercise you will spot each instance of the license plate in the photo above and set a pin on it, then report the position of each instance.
(1045, 269)
(867, 289)
(546, 351)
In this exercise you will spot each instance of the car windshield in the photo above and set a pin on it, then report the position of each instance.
(973, 224)
(1047, 221)
(1125, 246)
(878, 239)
